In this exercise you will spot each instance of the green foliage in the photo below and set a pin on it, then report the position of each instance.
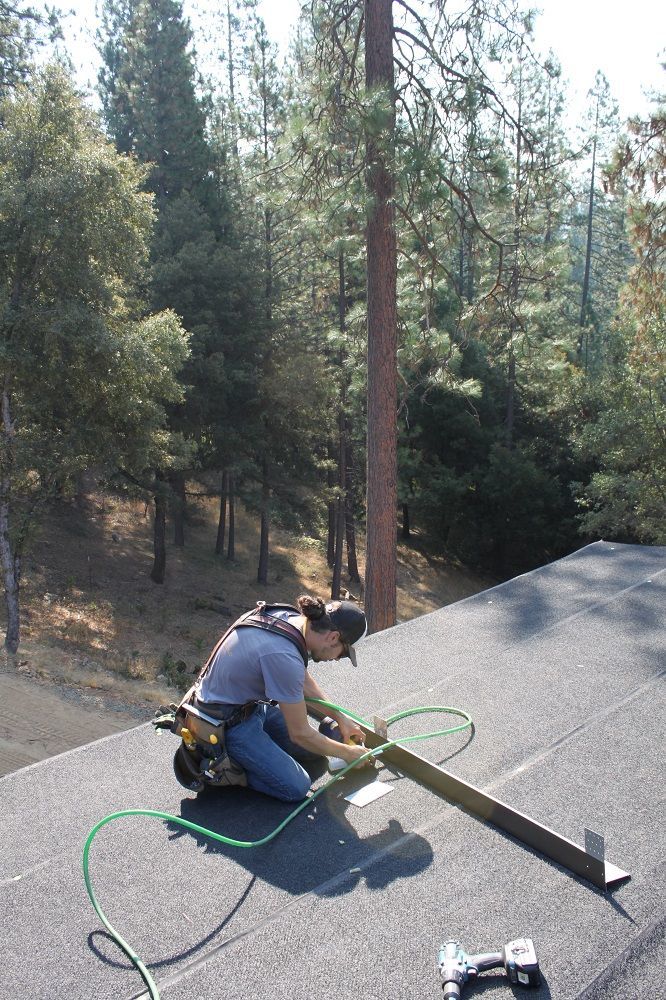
(148, 94)
(85, 380)
(626, 497)
(176, 672)
(257, 249)
(23, 30)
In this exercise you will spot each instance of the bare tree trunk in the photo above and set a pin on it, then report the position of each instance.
(352, 563)
(514, 284)
(382, 493)
(342, 435)
(11, 573)
(232, 94)
(585, 303)
(509, 422)
(177, 482)
(465, 258)
(158, 571)
(222, 519)
(262, 572)
(231, 547)
(339, 543)
(9, 559)
(340, 511)
(85, 485)
(330, 482)
(406, 532)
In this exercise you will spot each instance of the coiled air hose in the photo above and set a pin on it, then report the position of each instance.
(136, 961)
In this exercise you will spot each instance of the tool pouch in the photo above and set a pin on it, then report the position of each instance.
(194, 770)
(201, 758)
(223, 770)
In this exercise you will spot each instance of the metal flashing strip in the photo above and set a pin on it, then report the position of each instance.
(530, 832)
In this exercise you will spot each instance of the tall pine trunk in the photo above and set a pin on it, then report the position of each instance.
(382, 492)
(342, 435)
(585, 300)
(232, 89)
(231, 546)
(262, 571)
(222, 517)
(11, 575)
(340, 509)
(514, 284)
(330, 482)
(510, 416)
(350, 531)
(406, 530)
(9, 559)
(179, 502)
(158, 572)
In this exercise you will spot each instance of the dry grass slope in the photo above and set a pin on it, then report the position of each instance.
(93, 619)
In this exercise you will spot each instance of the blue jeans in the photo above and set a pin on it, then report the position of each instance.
(262, 747)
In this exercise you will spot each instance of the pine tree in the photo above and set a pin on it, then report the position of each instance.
(606, 254)
(23, 30)
(200, 268)
(436, 82)
(85, 374)
(626, 497)
(116, 17)
(149, 96)
(382, 495)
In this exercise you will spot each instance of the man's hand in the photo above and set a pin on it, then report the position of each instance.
(352, 752)
(349, 730)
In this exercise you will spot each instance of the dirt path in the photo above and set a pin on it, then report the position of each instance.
(39, 720)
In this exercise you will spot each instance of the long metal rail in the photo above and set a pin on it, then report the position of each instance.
(588, 861)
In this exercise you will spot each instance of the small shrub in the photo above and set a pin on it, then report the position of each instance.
(177, 673)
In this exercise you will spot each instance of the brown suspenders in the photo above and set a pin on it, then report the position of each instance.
(261, 618)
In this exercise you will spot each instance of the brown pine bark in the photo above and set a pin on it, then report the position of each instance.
(330, 482)
(158, 571)
(262, 571)
(514, 284)
(179, 503)
(9, 559)
(382, 496)
(352, 562)
(222, 517)
(11, 574)
(406, 529)
(340, 512)
(583, 337)
(231, 546)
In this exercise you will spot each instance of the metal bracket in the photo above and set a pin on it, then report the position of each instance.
(594, 845)
(588, 862)
(381, 726)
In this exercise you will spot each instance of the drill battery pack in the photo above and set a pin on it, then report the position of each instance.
(520, 962)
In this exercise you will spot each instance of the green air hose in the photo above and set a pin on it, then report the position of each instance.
(150, 983)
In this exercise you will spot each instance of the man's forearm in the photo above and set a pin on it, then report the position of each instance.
(316, 742)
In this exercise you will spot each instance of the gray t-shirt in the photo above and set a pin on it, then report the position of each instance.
(254, 665)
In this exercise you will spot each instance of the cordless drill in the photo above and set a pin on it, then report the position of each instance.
(457, 968)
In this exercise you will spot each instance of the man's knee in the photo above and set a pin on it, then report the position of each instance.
(296, 788)
(316, 767)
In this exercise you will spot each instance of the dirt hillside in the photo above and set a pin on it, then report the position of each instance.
(102, 645)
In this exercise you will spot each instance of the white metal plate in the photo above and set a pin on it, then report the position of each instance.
(363, 796)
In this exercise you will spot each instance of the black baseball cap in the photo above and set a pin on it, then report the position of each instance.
(348, 619)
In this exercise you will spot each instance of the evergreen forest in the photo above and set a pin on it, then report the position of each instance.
(382, 286)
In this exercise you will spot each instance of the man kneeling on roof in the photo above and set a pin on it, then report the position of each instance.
(256, 682)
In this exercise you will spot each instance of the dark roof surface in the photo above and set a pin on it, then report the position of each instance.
(561, 670)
